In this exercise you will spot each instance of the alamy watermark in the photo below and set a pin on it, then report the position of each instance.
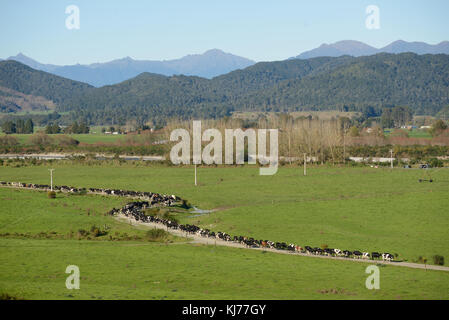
(213, 152)
(373, 280)
(72, 22)
(73, 280)
(372, 21)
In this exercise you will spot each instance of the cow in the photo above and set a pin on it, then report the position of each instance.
(375, 255)
(309, 250)
(387, 256)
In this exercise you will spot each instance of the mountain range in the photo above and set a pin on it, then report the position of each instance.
(367, 83)
(212, 63)
(357, 49)
(208, 65)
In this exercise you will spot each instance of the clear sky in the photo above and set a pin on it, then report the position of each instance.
(166, 29)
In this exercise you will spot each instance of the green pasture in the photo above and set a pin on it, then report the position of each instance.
(349, 207)
(30, 214)
(35, 269)
(363, 209)
(90, 138)
(414, 133)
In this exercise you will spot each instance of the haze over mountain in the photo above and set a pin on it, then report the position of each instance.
(208, 65)
(357, 49)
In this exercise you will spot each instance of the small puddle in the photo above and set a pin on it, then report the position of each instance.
(200, 212)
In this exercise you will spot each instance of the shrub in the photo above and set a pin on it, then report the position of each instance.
(8, 140)
(66, 141)
(51, 194)
(40, 139)
(438, 127)
(82, 233)
(156, 234)
(438, 260)
(436, 163)
(422, 259)
(6, 296)
(354, 131)
(95, 231)
(167, 215)
(324, 246)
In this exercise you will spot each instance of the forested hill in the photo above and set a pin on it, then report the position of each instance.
(418, 81)
(345, 83)
(421, 82)
(23, 79)
(152, 96)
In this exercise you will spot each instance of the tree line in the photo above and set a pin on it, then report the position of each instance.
(18, 126)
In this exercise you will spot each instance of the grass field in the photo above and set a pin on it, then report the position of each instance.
(356, 208)
(415, 133)
(34, 269)
(348, 208)
(85, 138)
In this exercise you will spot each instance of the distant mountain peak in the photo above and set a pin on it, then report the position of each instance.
(209, 64)
(214, 51)
(20, 57)
(357, 48)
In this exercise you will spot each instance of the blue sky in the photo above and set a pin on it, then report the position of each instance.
(260, 30)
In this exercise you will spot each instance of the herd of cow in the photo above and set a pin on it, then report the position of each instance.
(153, 198)
(136, 210)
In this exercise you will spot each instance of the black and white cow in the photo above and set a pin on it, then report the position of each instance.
(387, 257)
(376, 255)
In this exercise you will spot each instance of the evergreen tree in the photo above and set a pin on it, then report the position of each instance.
(74, 128)
(20, 126)
(56, 129)
(29, 127)
(52, 129)
(49, 129)
(9, 127)
(83, 128)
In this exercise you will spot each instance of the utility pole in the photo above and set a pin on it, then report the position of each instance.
(391, 158)
(344, 145)
(305, 165)
(51, 179)
(195, 173)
